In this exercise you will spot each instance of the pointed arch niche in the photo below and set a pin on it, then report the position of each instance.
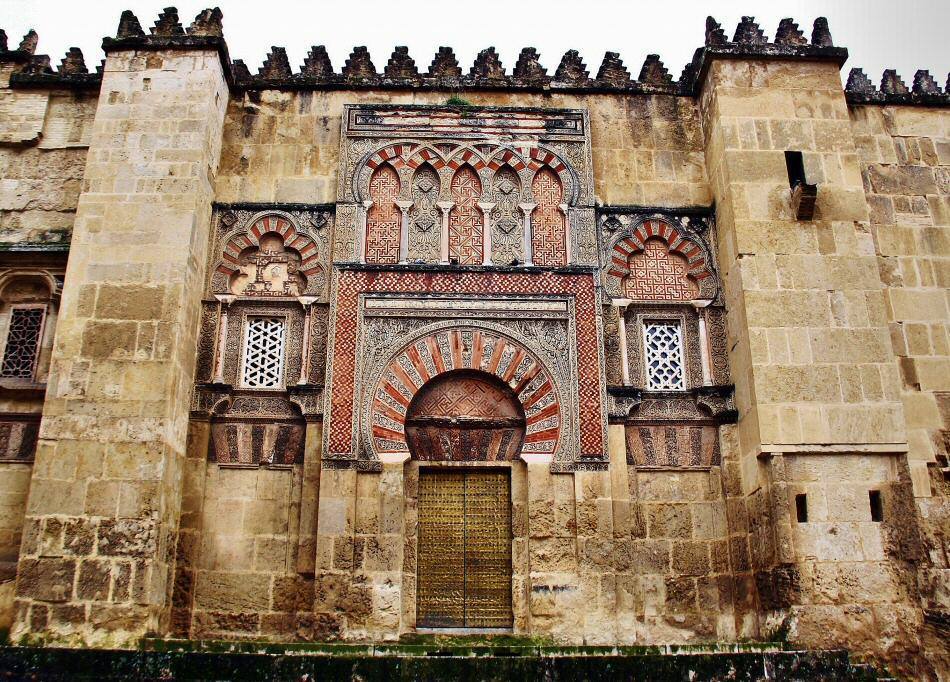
(466, 228)
(548, 231)
(383, 218)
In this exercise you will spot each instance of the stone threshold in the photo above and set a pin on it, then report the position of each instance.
(369, 663)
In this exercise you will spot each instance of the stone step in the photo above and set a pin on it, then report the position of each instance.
(447, 663)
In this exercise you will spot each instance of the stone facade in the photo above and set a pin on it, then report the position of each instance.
(698, 328)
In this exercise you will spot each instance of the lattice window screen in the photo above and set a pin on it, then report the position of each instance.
(663, 345)
(264, 352)
(23, 343)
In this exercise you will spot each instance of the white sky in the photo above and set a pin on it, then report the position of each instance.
(902, 34)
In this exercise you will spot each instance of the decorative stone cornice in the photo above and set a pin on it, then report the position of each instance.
(206, 32)
(749, 42)
(924, 92)
(71, 74)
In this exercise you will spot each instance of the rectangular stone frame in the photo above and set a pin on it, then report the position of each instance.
(341, 443)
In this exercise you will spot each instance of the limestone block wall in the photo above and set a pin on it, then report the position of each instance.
(284, 146)
(812, 359)
(102, 515)
(817, 381)
(22, 113)
(44, 136)
(905, 158)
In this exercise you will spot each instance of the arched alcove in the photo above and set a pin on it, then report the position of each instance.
(465, 416)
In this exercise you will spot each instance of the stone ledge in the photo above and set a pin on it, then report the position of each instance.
(341, 662)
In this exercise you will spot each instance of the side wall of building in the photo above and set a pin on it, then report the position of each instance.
(44, 138)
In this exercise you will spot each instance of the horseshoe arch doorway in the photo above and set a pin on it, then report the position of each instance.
(464, 531)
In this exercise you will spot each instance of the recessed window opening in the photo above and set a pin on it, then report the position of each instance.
(877, 508)
(264, 352)
(801, 507)
(795, 165)
(663, 352)
(23, 342)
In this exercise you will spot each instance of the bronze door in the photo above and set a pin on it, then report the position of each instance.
(464, 551)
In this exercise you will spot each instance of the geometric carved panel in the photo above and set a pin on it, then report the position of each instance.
(465, 219)
(461, 416)
(383, 220)
(658, 275)
(548, 238)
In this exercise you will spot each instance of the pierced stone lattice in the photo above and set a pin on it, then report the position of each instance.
(264, 352)
(548, 237)
(465, 220)
(658, 275)
(23, 342)
(663, 345)
(507, 226)
(424, 217)
(383, 219)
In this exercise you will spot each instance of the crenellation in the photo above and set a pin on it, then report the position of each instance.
(924, 84)
(821, 34)
(749, 33)
(654, 73)
(168, 23)
(445, 65)
(572, 70)
(29, 42)
(129, 26)
(73, 63)
(528, 67)
(612, 72)
(274, 354)
(715, 35)
(276, 66)
(317, 65)
(487, 67)
(359, 67)
(788, 33)
(892, 83)
(401, 66)
(207, 23)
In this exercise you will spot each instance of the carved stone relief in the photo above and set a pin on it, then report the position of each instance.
(270, 253)
(425, 219)
(548, 148)
(631, 241)
(507, 221)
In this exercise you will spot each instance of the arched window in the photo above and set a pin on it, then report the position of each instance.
(548, 233)
(23, 325)
(466, 236)
(424, 217)
(383, 220)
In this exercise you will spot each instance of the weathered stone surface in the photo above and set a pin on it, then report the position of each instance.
(833, 332)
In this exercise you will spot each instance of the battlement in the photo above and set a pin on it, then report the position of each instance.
(487, 72)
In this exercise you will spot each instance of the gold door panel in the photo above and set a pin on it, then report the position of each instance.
(464, 562)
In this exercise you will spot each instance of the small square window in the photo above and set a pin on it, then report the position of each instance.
(663, 351)
(23, 342)
(264, 352)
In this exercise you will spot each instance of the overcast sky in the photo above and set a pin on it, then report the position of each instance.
(902, 34)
